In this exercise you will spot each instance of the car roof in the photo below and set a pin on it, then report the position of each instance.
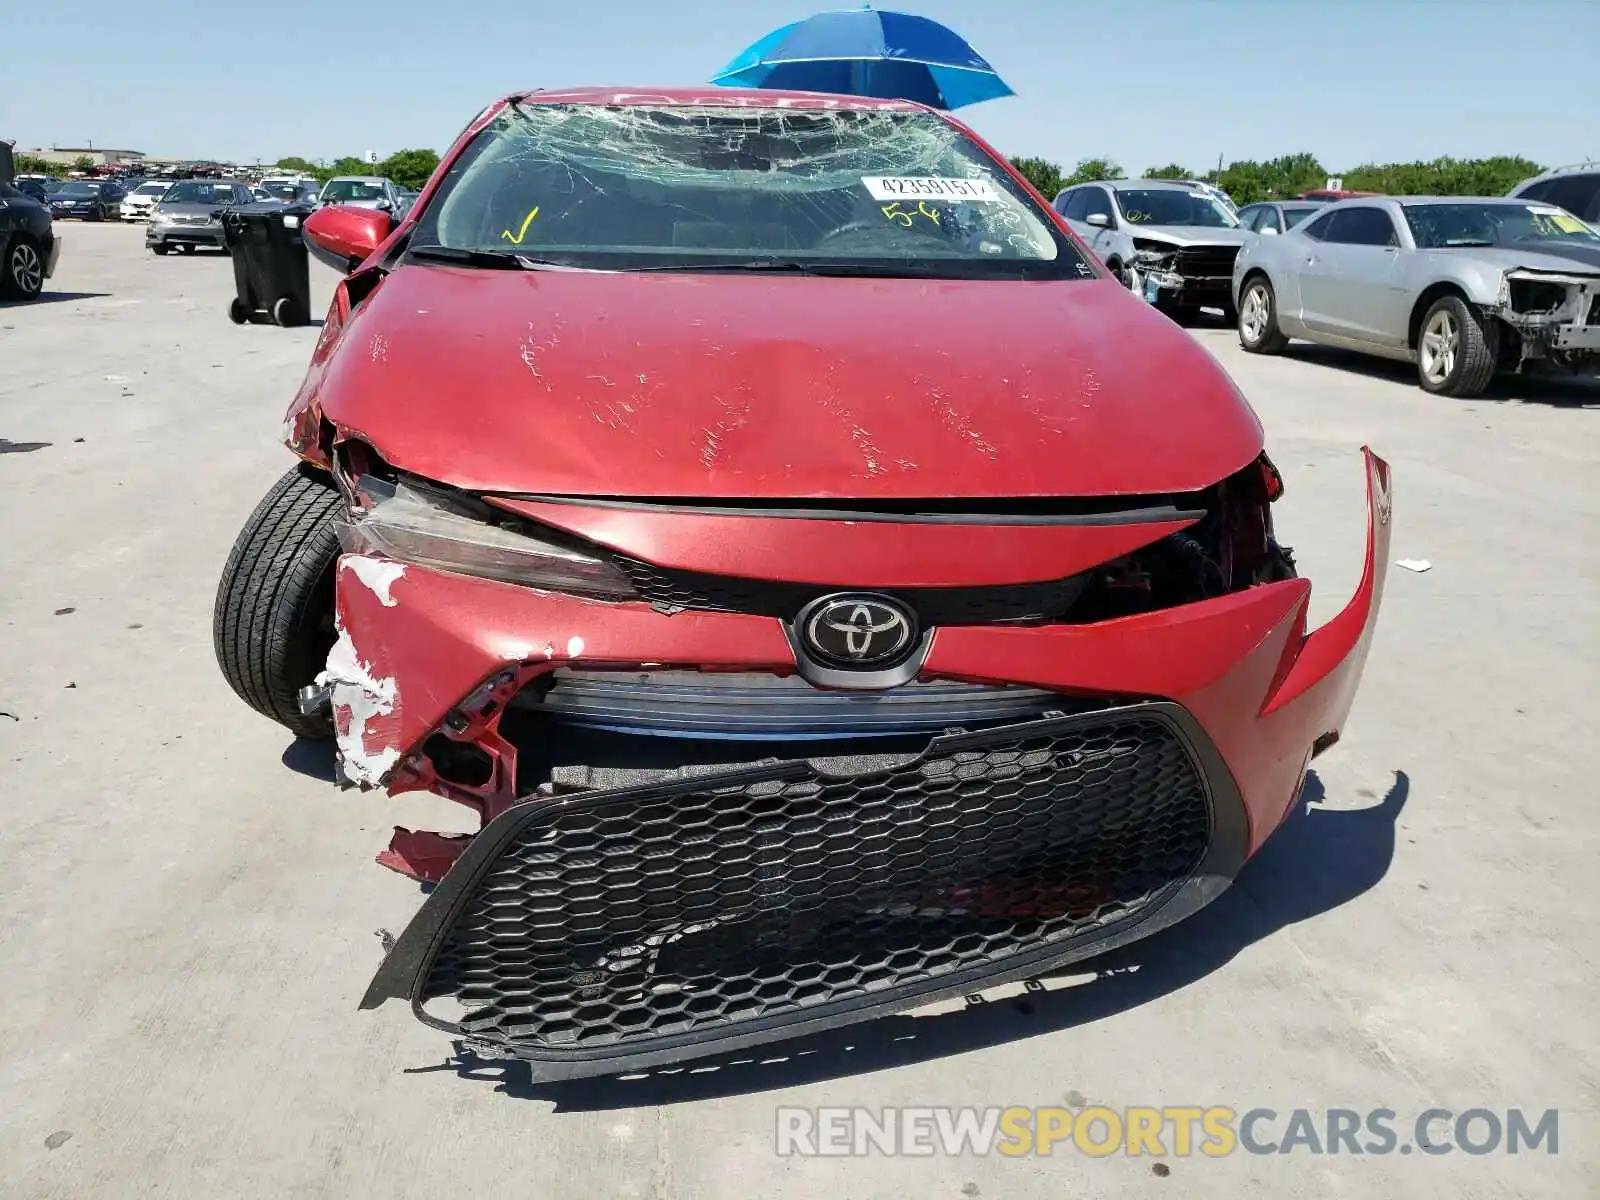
(1423, 200)
(1172, 185)
(707, 95)
(358, 179)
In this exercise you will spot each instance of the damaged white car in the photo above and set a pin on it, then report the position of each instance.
(1461, 287)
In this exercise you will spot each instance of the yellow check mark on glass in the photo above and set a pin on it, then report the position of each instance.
(526, 221)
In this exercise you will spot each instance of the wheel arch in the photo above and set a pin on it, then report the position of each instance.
(1253, 272)
(1430, 296)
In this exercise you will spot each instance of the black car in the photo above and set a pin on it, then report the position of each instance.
(28, 245)
(39, 189)
(89, 199)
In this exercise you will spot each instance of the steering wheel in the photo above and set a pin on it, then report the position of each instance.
(872, 224)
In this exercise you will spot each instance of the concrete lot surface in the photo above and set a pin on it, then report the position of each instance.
(187, 909)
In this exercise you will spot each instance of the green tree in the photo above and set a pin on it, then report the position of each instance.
(303, 166)
(1276, 179)
(1089, 170)
(1170, 171)
(83, 163)
(1042, 173)
(409, 168)
(32, 164)
(1443, 176)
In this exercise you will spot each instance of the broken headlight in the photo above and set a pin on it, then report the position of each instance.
(413, 523)
(1149, 253)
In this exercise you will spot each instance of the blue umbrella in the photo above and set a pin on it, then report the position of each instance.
(863, 52)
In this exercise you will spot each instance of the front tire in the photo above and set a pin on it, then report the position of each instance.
(1258, 319)
(272, 626)
(22, 274)
(160, 248)
(1456, 349)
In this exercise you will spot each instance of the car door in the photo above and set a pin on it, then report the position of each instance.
(1357, 292)
(1072, 204)
(1294, 263)
(1101, 237)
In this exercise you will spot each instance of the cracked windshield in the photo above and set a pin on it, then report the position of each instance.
(693, 188)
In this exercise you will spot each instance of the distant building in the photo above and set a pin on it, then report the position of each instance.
(65, 156)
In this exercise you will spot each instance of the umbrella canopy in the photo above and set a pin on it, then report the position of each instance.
(864, 52)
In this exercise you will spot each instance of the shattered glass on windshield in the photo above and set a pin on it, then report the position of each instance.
(679, 187)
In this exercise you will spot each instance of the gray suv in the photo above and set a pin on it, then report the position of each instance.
(1173, 243)
(1575, 188)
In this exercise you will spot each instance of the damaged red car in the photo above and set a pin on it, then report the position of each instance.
(832, 591)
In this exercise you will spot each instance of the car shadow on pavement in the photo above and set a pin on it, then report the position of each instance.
(1320, 858)
(314, 759)
(52, 298)
(1530, 389)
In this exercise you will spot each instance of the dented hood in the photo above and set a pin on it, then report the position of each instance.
(1190, 235)
(762, 386)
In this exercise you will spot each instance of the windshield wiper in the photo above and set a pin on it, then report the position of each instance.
(503, 260)
(1452, 243)
(794, 266)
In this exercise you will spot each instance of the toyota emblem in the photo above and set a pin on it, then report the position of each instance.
(857, 630)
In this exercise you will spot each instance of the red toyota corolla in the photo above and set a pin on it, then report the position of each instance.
(831, 589)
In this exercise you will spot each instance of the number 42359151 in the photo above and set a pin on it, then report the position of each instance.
(906, 216)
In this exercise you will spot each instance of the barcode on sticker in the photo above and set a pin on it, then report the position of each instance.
(929, 187)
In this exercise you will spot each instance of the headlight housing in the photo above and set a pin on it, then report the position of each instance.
(412, 522)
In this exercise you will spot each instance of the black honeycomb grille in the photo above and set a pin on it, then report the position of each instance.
(607, 923)
(675, 590)
(1207, 262)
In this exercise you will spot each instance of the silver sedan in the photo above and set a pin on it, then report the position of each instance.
(1461, 287)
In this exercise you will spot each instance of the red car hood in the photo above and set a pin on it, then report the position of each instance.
(761, 386)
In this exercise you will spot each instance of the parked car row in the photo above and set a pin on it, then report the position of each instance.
(1462, 287)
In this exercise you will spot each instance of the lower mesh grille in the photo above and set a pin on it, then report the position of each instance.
(613, 921)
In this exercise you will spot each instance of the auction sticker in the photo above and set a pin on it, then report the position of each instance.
(929, 187)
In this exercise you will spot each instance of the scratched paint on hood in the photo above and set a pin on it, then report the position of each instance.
(638, 384)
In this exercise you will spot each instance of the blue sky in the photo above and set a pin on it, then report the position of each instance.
(1145, 83)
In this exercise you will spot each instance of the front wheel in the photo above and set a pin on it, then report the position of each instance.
(1457, 349)
(22, 277)
(1258, 319)
(160, 248)
(272, 626)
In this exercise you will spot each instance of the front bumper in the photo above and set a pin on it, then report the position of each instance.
(177, 235)
(628, 926)
(136, 212)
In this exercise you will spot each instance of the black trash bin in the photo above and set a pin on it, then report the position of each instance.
(271, 272)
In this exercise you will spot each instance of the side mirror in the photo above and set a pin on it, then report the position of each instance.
(1269, 230)
(385, 206)
(1098, 220)
(343, 237)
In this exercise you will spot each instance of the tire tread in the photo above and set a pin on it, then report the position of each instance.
(263, 625)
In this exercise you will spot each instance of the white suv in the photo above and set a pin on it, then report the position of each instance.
(1575, 188)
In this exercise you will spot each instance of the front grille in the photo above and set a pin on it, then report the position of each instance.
(757, 706)
(616, 920)
(1207, 262)
(673, 590)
